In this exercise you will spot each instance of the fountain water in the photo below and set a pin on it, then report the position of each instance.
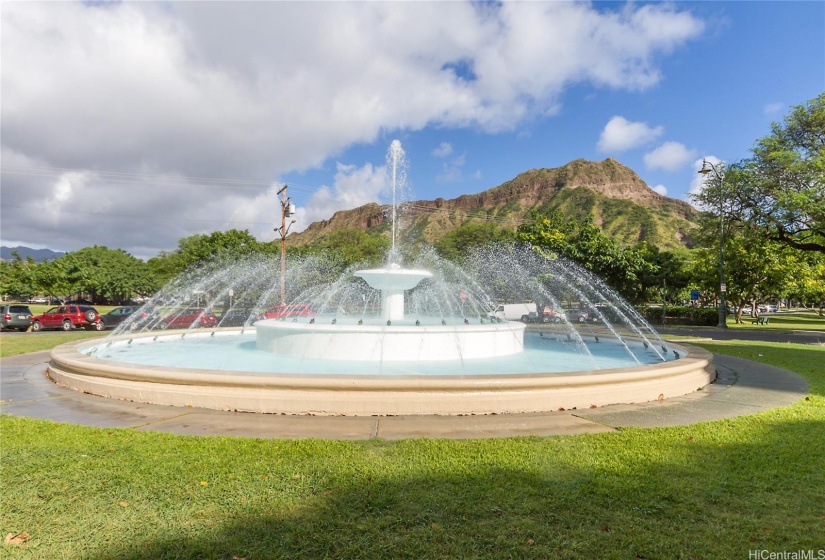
(391, 340)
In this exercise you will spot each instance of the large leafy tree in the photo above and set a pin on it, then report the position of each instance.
(808, 283)
(17, 277)
(783, 191)
(351, 246)
(668, 278)
(755, 269)
(202, 248)
(623, 268)
(456, 244)
(50, 278)
(758, 265)
(110, 275)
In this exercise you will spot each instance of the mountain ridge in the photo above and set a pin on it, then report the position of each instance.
(38, 255)
(617, 198)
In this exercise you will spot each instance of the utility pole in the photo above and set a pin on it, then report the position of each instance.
(287, 211)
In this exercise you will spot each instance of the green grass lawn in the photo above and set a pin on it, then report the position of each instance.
(800, 320)
(713, 490)
(13, 345)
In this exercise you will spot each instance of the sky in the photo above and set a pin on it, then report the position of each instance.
(132, 125)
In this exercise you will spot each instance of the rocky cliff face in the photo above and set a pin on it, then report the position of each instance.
(614, 194)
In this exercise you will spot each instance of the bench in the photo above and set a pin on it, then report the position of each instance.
(760, 321)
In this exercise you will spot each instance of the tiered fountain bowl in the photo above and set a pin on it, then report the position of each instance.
(390, 338)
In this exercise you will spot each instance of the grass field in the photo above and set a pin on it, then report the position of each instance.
(800, 320)
(34, 342)
(714, 490)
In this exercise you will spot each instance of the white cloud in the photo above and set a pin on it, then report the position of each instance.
(443, 150)
(620, 134)
(661, 189)
(260, 89)
(354, 186)
(670, 156)
(452, 171)
(773, 108)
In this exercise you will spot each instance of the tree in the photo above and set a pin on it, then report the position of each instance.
(16, 277)
(202, 248)
(107, 275)
(808, 284)
(50, 278)
(668, 277)
(783, 188)
(756, 268)
(455, 244)
(351, 246)
(623, 268)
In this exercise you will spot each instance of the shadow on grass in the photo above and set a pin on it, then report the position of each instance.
(684, 496)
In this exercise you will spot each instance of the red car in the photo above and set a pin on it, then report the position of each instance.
(189, 318)
(68, 317)
(289, 310)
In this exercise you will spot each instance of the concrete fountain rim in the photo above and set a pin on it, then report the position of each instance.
(374, 394)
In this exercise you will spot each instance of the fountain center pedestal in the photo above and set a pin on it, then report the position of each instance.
(391, 340)
(392, 282)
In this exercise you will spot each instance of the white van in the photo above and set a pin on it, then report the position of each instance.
(524, 312)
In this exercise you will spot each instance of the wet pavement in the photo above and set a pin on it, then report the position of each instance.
(742, 387)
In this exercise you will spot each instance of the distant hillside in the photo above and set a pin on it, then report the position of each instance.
(622, 203)
(26, 252)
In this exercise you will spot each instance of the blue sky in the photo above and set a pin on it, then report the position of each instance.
(717, 96)
(133, 125)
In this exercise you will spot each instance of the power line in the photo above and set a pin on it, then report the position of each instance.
(143, 218)
(48, 171)
(187, 181)
(144, 178)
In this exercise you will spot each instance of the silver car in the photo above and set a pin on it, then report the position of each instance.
(15, 317)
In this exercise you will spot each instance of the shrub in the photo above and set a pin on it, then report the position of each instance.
(682, 315)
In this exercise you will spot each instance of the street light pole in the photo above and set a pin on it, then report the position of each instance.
(287, 211)
(708, 167)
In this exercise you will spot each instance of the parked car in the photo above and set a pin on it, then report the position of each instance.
(68, 317)
(552, 315)
(583, 316)
(239, 318)
(524, 312)
(15, 317)
(118, 315)
(191, 317)
(289, 310)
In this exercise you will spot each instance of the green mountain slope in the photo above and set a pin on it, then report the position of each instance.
(621, 203)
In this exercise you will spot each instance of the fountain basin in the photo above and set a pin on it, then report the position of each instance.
(352, 394)
(397, 343)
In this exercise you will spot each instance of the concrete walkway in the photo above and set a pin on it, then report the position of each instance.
(743, 387)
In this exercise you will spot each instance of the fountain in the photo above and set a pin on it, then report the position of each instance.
(390, 340)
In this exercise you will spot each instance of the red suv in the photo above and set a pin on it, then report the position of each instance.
(289, 310)
(68, 317)
(186, 318)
